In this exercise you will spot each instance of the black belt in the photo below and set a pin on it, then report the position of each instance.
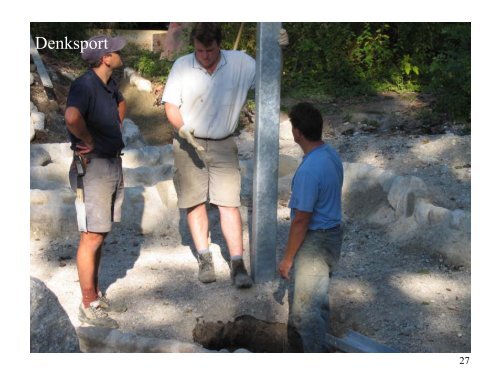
(213, 139)
(102, 155)
(326, 229)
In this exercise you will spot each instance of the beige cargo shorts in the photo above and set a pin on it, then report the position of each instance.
(213, 174)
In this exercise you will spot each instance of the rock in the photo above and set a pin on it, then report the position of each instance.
(69, 75)
(404, 192)
(286, 130)
(131, 135)
(365, 189)
(50, 327)
(32, 78)
(127, 72)
(144, 211)
(144, 85)
(38, 120)
(167, 193)
(59, 152)
(32, 132)
(39, 157)
(50, 176)
(166, 154)
(146, 176)
(52, 212)
(145, 156)
(99, 340)
(140, 83)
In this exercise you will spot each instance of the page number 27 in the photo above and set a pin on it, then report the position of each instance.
(464, 360)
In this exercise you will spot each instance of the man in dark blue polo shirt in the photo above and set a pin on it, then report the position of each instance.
(315, 237)
(94, 113)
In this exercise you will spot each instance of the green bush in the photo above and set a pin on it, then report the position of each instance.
(450, 73)
(147, 63)
(341, 59)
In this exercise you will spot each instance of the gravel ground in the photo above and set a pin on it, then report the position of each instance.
(410, 301)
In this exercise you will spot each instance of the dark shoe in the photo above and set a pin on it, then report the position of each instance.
(110, 305)
(206, 272)
(94, 315)
(239, 275)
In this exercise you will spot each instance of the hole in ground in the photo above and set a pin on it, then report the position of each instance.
(245, 332)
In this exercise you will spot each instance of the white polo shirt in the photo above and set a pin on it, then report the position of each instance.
(211, 104)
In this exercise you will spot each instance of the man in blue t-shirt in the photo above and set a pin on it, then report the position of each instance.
(94, 114)
(315, 237)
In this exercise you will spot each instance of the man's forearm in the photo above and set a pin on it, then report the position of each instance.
(77, 126)
(298, 231)
(174, 115)
(122, 109)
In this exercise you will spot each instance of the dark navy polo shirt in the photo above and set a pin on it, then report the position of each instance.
(98, 104)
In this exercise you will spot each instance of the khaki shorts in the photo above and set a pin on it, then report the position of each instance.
(213, 174)
(103, 192)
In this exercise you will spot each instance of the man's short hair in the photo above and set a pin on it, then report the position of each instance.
(206, 33)
(308, 120)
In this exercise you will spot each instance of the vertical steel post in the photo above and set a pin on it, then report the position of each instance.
(265, 177)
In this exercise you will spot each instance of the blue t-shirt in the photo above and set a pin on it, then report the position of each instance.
(98, 104)
(317, 187)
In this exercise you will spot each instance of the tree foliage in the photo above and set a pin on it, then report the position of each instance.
(349, 59)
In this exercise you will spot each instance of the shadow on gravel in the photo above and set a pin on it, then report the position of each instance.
(122, 246)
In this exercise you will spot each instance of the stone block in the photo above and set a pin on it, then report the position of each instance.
(38, 120)
(139, 157)
(39, 157)
(168, 195)
(131, 134)
(51, 176)
(144, 211)
(103, 340)
(404, 193)
(286, 130)
(32, 132)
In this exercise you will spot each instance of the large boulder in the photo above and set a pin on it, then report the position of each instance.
(50, 327)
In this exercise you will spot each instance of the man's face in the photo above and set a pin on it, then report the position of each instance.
(207, 56)
(113, 60)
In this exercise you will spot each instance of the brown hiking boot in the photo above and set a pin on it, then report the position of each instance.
(239, 275)
(206, 272)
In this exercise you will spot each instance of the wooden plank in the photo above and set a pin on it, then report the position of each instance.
(42, 72)
(354, 342)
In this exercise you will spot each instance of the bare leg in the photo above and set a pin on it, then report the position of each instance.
(197, 219)
(87, 262)
(230, 220)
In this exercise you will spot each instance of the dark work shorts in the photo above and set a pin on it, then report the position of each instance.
(103, 192)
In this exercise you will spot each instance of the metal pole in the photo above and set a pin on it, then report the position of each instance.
(265, 178)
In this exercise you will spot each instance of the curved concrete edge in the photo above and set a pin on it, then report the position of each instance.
(402, 204)
(376, 196)
(103, 340)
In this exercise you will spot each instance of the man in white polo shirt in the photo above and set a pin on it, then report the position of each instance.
(203, 97)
